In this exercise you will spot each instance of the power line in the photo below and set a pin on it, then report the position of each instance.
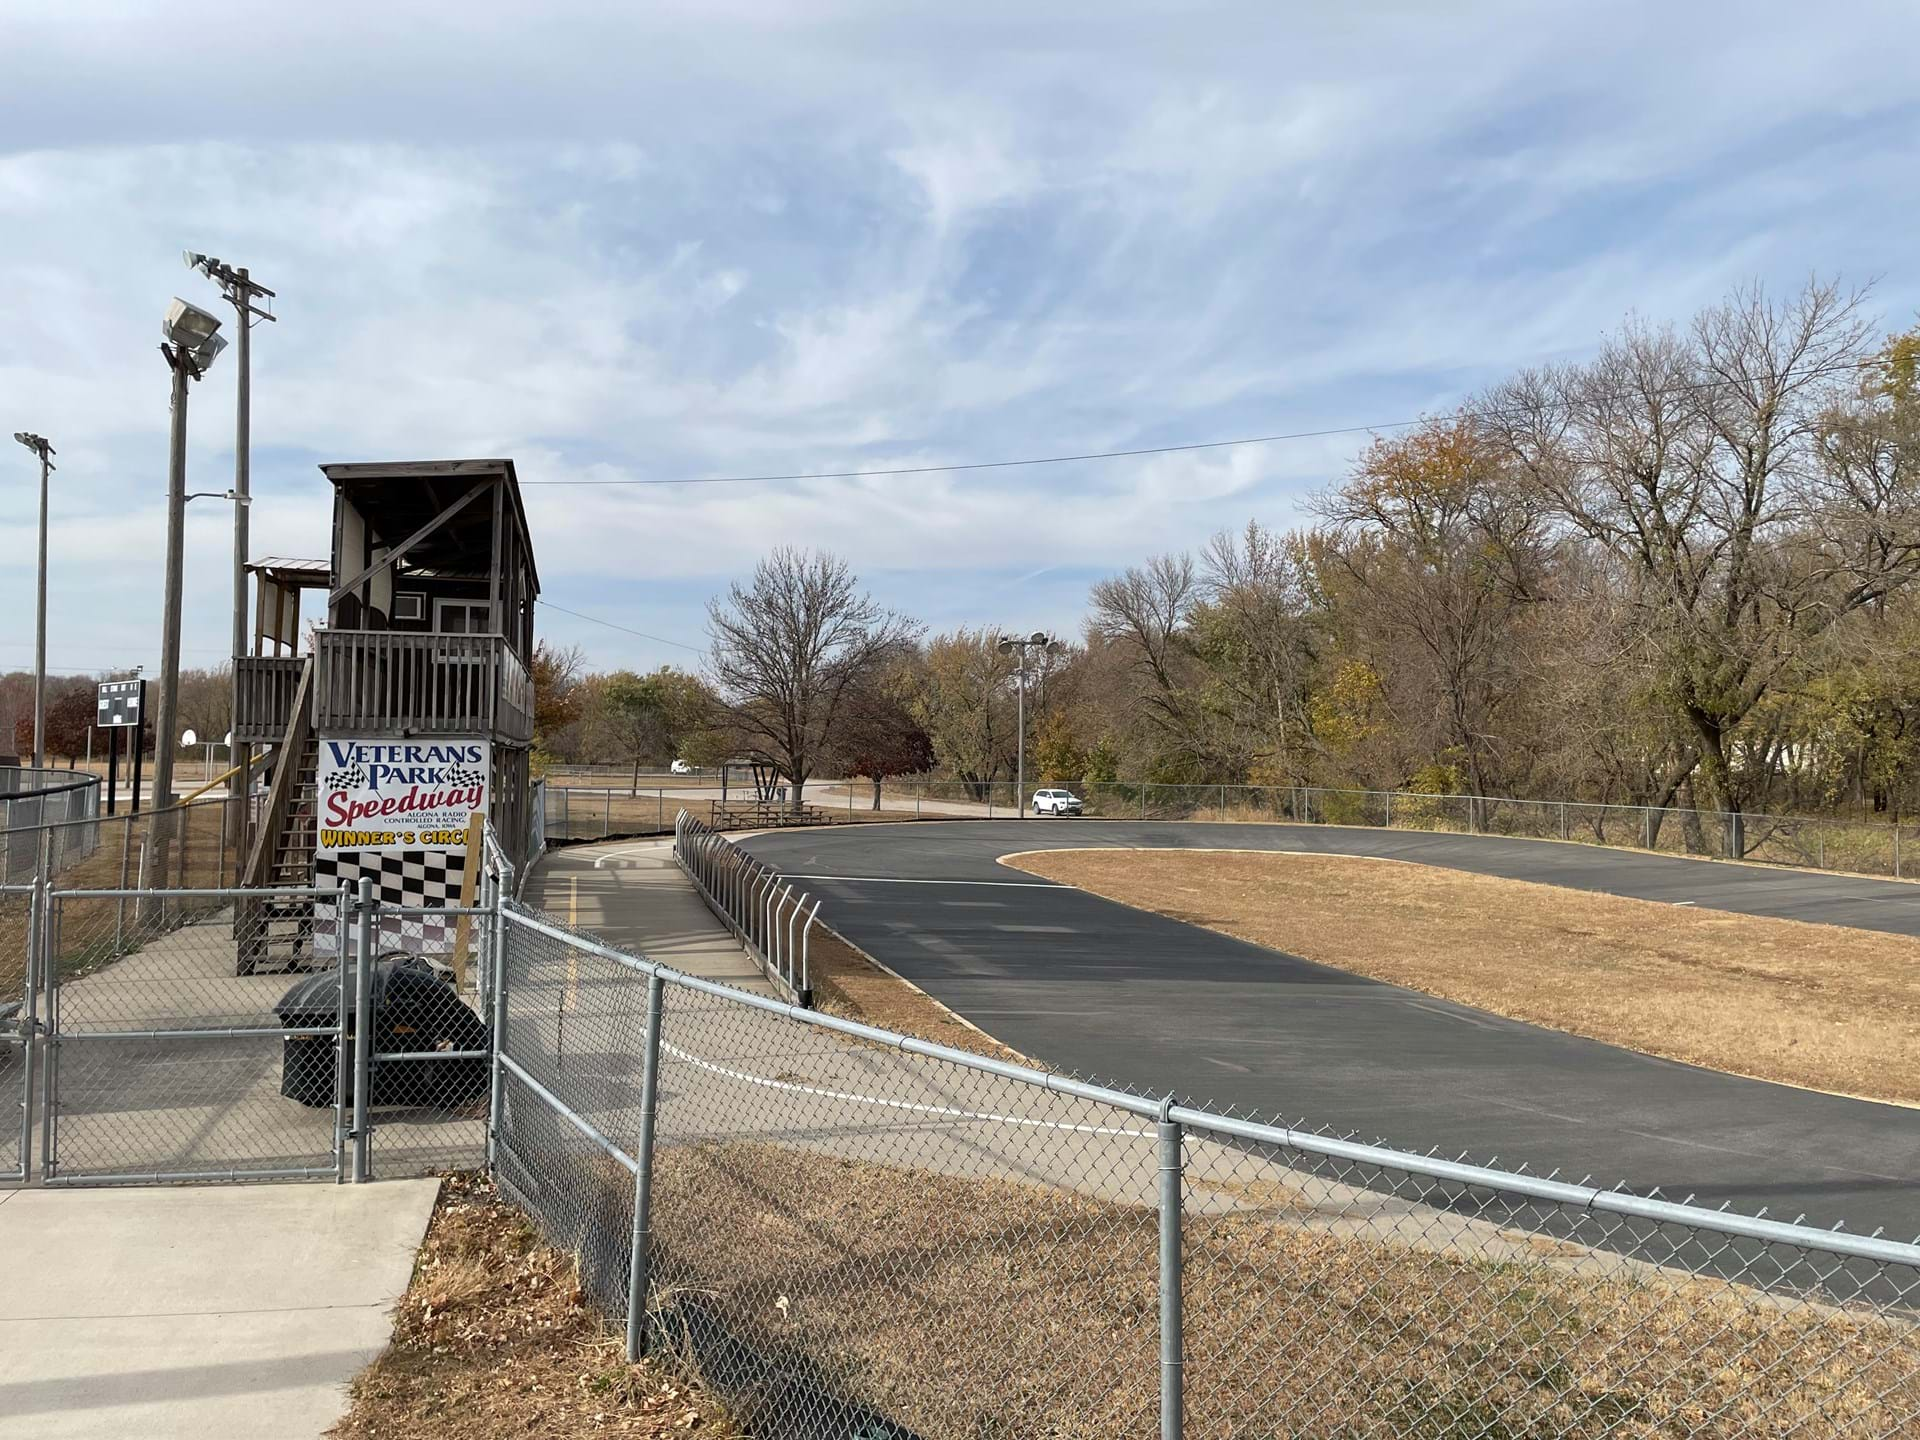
(1190, 447)
(626, 629)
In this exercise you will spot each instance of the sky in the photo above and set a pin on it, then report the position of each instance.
(737, 237)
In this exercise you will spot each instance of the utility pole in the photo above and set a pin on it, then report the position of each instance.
(40, 447)
(192, 343)
(240, 290)
(163, 736)
(1042, 641)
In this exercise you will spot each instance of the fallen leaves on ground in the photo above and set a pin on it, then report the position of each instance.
(496, 1337)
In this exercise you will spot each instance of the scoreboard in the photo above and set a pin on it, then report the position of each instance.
(119, 703)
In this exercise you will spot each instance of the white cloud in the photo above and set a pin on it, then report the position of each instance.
(667, 241)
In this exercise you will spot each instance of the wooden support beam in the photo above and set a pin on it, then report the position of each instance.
(494, 594)
(469, 889)
(347, 587)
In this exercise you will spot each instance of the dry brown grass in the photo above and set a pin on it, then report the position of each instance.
(205, 860)
(1814, 1005)
(994, 1308)
(848, 984)
(495, 1337)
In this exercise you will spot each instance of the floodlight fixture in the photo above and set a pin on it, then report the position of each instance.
(188, 326)
(39, 444)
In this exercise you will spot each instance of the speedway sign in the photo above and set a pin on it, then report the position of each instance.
(399, 794)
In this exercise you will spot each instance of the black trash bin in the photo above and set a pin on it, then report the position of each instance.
(414, 1011)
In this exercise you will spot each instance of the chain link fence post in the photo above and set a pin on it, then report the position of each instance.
(496, 1074)
(342, 1054)
(39, 963)
(1172, 1312)
(640, 1257)
(50, 1044)
(126, 868)
(363, 1025)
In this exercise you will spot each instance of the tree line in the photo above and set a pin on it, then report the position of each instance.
(206, 708)
(1680, 572)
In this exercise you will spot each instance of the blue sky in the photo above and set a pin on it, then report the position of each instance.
(624, 242)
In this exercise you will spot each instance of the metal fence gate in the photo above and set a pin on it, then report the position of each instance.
(19, 915)
(428, 1059)
(163, 1062)
(212, 1034)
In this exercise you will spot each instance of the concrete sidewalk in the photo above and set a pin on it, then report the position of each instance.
(631, 894)
(234, 1311)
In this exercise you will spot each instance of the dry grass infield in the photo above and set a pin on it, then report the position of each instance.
(495, 1337)
(1813, 1005)
(848, 984)
(995, 1308)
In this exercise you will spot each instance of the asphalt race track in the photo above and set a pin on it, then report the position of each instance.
(1102, 990)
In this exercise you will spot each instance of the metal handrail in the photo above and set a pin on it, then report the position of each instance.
(74, 781)
(750, 897)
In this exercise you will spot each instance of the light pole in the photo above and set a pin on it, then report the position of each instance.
(1039, 640)
(193, 340)
(40, 447)
(240, 290)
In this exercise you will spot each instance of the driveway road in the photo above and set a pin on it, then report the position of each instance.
(1100, 989)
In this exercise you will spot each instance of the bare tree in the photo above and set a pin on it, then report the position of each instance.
(1742, 521)
(1254, 632)
(1145, 611)
(788, 646)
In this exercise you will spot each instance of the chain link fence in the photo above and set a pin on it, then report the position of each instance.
(583, 804)
(163, 1061)
(429, 1054)
(571, 813)
(848, 1232)
(1806, 842)
(18, 1007)
(214, 1034)
(46, 815)
(851, 1233)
